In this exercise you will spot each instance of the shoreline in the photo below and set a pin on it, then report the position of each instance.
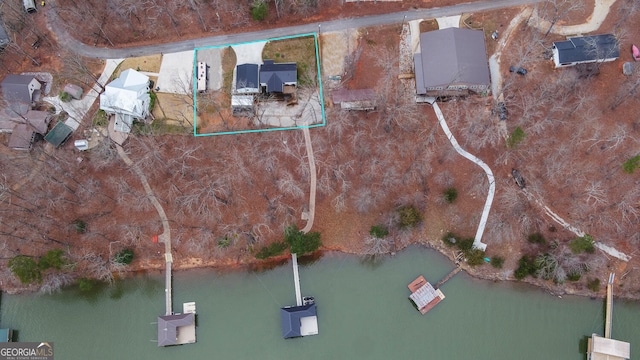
(253, 264)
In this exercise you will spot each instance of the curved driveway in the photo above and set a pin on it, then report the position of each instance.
(67, 41)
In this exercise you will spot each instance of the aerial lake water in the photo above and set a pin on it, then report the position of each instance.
(363, 313)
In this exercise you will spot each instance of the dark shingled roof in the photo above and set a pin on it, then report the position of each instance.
(247, 76)
(290, 317)
(450, 57)
(276, 75)
(587, 49)
(168, 325)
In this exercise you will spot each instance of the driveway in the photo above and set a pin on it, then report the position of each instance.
(176, 73)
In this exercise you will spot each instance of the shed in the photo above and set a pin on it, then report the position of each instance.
(169, 328)
(247, 79)
(299, 321)
(22, 137)
(74, 90)
(360, 99)
(585, 49)
(59, 134)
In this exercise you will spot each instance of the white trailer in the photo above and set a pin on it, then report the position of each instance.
(202, 76)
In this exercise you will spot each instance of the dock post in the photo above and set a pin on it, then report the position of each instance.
(296, 279)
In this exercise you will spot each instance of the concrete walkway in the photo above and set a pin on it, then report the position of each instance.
(477, 243)
(77, 109)
(312, 191)
(600, 12)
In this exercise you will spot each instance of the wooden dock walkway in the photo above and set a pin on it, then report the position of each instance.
(448, 277)
(168, 286)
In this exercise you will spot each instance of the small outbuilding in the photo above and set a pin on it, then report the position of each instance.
(74, 90)
(585, 49)
(59, 134)
(359, 99)
(242, 104)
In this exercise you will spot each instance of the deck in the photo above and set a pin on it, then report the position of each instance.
(423, 295)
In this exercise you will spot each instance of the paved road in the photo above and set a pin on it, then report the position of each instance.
(55, 25)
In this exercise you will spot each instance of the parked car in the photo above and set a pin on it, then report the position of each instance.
(519, 70)
(635, 52)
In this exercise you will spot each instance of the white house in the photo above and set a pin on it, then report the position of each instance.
(127, 97)
(585, 49)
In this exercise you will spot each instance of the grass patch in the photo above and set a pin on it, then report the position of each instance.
(379, 231)
(100, 119)
(631, 165)
(229, 60)
(582, 244)
(274, 249)
(516, 137)
(497, 262)
(450, 195)
(301, 51)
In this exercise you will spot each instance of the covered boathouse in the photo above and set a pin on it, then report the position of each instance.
(423, 295)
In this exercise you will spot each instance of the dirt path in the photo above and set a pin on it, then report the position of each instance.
(312, 191)
(165, 237)
(600, 12)
(555, 217)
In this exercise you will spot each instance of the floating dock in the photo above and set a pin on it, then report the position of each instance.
(423, 295)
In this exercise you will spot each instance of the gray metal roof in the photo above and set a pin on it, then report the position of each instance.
(290, 318)
(274, 76)
(16, 88)
(247, 76)
(168, 327)
(58, 134)
(452, 56)
(587, 48)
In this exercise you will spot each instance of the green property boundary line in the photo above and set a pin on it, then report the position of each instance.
(195, 90)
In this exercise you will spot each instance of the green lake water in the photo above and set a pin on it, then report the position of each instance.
(363, 313)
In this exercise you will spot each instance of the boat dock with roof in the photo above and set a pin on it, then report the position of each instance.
(302, 319)
(606, 348)
(425, 296)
